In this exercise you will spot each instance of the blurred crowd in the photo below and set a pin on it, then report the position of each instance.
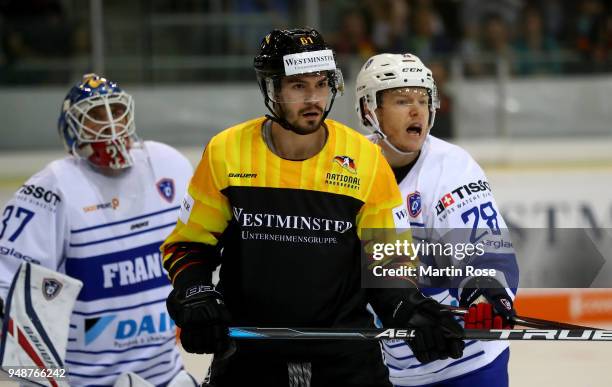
(531, 37)
(535, 36)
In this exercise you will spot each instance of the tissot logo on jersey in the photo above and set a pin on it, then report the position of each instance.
(40, 196)
(461, 193)
(293, 222)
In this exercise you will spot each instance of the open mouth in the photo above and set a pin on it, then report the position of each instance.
(311, 115)
(415, 129)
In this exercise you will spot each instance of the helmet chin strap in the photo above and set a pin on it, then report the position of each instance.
(382, 136)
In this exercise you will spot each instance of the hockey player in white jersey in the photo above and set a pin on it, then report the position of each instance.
(448, 199)
(99, 215)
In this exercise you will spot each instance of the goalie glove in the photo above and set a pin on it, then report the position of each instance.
(199, 311)
(489, 305)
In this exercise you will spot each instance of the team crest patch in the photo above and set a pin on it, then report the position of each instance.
(51, 288)
(165, 187)
(346, 163)
(414, 204)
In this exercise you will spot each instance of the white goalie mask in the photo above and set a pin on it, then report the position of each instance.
(391, 71)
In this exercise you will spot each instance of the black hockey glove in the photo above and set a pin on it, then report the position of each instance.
(490, 306)
(199, 311)
(437, 334)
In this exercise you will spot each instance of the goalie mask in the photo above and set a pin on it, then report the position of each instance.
(287, 53)
(391, 71)
(97, 123)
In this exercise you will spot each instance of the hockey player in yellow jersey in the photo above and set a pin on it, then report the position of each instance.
(281, 202)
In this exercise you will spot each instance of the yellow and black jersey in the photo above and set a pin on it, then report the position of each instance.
(287, 233)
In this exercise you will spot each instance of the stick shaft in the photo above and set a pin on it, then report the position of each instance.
(253, 333)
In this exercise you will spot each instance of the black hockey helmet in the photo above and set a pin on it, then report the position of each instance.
(277, 58)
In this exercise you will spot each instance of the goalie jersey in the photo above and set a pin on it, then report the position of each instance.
(446, 191)
(106, 232)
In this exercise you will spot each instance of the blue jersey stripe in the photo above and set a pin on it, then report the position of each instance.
(401, 344)
(122, 236)
(195, 383)
(119, 309)
(467, 344)
(416, 224)
(119, 362)
(171, 339)
(165, 372)
(173, 362)
(462, 360)
(119, 373)
(124, 221)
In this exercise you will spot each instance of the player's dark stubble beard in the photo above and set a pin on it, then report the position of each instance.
(312, 125)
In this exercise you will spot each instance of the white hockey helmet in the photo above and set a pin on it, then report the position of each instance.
(390, 71)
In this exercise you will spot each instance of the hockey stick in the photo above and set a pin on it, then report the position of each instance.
(250, 333)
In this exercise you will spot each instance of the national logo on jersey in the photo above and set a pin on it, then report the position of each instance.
(51, 288)
(165, 187)
(414, 204)
(346, 163)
